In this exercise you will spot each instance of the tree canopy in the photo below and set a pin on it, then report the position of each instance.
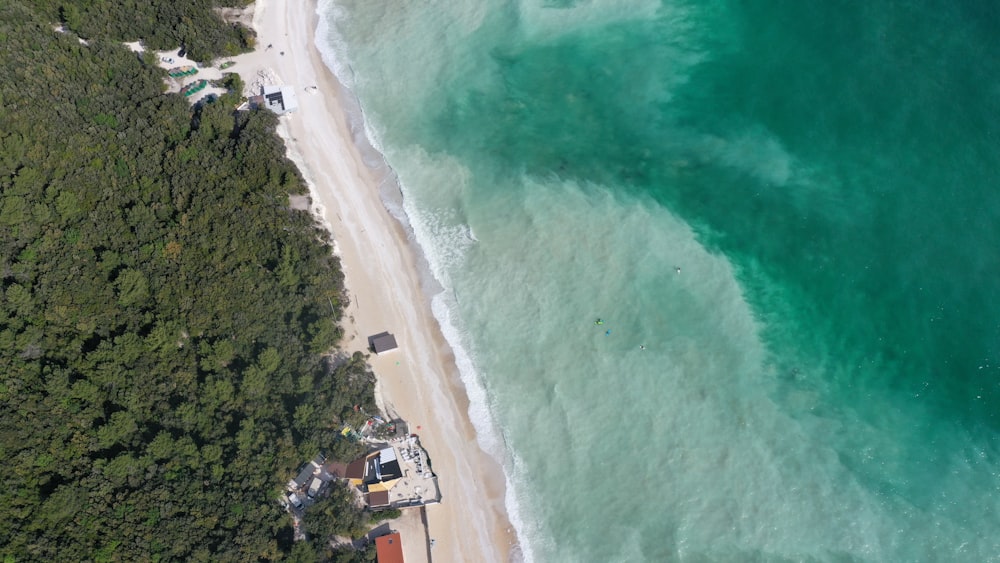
(161, 24)
(163, 310)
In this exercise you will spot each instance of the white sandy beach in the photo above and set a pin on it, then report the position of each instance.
(420, 380)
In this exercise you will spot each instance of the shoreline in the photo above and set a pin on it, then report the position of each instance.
(420, 381)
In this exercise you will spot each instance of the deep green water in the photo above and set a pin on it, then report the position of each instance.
(820, 381)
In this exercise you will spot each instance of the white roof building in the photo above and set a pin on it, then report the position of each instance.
(280, 99)
(314, 487)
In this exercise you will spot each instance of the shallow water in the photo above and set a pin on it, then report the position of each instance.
(819, 380)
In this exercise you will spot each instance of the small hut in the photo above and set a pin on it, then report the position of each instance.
(383, 342)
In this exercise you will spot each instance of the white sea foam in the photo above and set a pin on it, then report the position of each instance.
(440, 234)
(583, 224)
(331, 44)
(488, 432)
(424, 233)
(723, 468)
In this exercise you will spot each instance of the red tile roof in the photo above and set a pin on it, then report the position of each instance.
(389, 549)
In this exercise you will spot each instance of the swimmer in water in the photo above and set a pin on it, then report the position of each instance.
(677, 269)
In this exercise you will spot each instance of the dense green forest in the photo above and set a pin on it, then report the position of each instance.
(163, 312)
(162, 24)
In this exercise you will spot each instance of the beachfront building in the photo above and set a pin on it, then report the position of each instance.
(376, 472)
(280, 99)
(389, 548)
(382, 342)
(395, 476)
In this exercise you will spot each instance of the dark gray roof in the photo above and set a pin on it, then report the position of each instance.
(279, 99)
(390, 470)
(372, 473)
(305, 475)
(382, 342)
(275, 99)
(378, 470)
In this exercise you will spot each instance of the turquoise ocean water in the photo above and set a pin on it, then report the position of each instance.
(820, 381)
